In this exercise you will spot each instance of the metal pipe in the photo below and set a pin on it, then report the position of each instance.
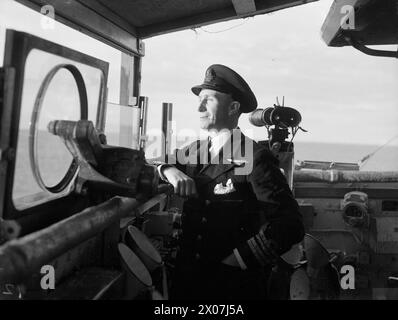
(21, 257)
(334, 176)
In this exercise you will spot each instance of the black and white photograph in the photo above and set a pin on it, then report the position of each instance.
(198, 157)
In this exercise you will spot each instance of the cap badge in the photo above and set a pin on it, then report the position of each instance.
(210, 75)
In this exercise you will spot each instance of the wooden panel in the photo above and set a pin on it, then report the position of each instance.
(205, 18)
(141, 13)
(119, 22)
(198, 20)
(85, 19)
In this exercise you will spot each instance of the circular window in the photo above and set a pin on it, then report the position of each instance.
(52, 164)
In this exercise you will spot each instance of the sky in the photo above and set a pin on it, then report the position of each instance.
(343, 95)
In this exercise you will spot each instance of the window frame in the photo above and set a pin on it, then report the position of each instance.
(18, 45)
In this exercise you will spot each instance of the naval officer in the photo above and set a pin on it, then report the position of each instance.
(236, 224)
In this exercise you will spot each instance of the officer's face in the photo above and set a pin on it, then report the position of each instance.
(214, 109)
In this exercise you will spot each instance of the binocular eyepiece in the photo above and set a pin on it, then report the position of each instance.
(279, 116)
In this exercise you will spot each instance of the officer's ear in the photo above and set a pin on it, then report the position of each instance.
(234, 108)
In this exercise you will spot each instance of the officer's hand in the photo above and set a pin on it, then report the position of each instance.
(184, 186)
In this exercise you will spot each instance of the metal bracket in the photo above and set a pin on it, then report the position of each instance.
(7, 77)
(244, 7)
(369, 51)
(141, 48)
(7, 154)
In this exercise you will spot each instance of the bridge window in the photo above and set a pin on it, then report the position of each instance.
(43, 160)
(52, 161)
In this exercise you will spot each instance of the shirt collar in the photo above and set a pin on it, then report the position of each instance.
(218, 140)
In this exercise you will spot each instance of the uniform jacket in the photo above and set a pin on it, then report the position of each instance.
(254, 213)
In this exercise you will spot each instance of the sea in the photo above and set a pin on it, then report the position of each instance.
(53, 159)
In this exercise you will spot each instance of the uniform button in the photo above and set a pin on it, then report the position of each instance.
(197, 256)
(204, 220)
(199, 237)
(207, 202)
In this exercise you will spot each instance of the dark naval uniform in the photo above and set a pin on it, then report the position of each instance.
(251, 215)
(258, 217)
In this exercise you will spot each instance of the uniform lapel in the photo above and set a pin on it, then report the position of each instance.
(226, 163)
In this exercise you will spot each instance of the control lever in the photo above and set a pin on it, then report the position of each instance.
(115, 170)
